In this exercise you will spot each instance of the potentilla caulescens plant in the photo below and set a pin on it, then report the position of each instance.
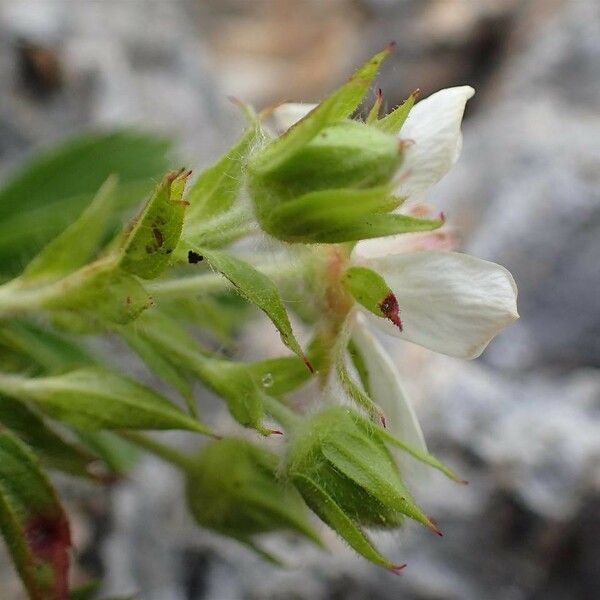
(338, 201)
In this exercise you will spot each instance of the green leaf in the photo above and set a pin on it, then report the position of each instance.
(54, 451)
(78, 243)
(50, 191)
(51, 351)
(392, 122)
(153, 235)
(95, 398)
(117, 454)
(232, 381)
(102, 291)
(257, 288)
(32, 522)
(161, 363)
(336, 107)
(279, 375)
(217, 188)
(370, 290)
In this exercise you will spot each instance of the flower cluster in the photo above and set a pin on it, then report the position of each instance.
(338, 200)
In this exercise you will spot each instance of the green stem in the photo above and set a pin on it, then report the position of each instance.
(15, 300)
(211, 283)
(12, 385)
(167, 453)
(281, 413)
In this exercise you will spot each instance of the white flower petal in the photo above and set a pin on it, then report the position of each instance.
(288, 114)
(449, 302)
(440, 239)
(386, 391)
(434, 140)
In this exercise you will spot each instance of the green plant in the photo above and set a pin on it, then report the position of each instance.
(335, 200)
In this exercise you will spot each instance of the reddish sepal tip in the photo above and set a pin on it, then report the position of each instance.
(390, 309)
(309, 365)
(275, 432)
(397, 568)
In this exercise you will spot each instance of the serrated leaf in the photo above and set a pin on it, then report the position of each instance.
(53, 450)
(150, 239)
(50, 191)
(257, 288)
(79, 242)
(217, 187)
(336, 107)
(95, 398)
(370, 290)
(33, 522)
(393, 121)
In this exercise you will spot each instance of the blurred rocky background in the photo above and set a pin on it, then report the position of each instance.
(523, 423)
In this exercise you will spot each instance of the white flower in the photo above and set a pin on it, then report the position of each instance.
(449, 302)
(433, 139)
(431, 133)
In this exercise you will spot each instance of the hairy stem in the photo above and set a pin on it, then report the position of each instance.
(166, 453)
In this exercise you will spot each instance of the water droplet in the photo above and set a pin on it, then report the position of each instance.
(267, 380)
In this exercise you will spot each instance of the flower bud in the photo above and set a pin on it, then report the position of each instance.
(333, 181)
(232, 488)
(347, 154)
(347, 476)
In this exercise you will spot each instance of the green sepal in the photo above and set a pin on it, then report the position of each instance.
(232, 488)
(258, 289)
(151, 238)
(325, 507)
(32, 521)
(325, 216)
(424, 457)
(336, 107)
(217, 188)
(393, 121)
(347, 154)
(95, 398)
(354, 391)
(372, 292)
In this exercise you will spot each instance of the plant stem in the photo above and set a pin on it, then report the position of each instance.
(212, 282)
(281, 413)
(167, 453)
